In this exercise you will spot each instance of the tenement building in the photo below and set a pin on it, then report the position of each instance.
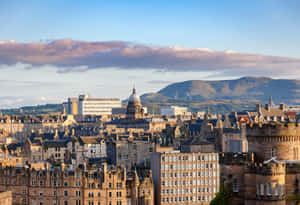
(185, 178)
(272, 176)
(63, 186)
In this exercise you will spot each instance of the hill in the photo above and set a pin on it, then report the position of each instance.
(217, 96)
(34, 110)
(226, 95)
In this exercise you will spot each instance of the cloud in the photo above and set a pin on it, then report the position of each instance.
(79, 56)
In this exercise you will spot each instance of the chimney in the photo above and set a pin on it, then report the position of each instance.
(104, 167)
(282, 106)
(56, 136)
(62, 166)
(268, 107)
(258, 107)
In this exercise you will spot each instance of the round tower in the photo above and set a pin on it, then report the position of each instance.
(265, 183)
(280, 141)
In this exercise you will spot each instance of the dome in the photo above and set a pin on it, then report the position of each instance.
(134, 98)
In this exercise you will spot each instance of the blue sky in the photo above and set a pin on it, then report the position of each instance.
(264, 27)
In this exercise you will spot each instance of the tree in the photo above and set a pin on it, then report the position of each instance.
(222, 198)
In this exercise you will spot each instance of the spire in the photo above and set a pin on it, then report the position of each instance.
(133, 90)
(136, 176)
(271, 101)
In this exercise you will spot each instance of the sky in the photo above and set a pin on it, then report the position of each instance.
(51, 50)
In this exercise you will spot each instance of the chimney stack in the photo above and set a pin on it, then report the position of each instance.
(282, 106)
(268, 107)
(258, 107)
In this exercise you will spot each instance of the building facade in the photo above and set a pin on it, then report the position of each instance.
(271, 175)
(174, 110)
(84, 105)
(63, 186)
(185, 178)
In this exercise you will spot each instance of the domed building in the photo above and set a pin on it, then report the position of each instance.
(134, 106)
(135, 117)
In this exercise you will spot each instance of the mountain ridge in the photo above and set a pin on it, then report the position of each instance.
(245, 88)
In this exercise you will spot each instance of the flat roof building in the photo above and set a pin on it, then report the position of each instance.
(174, 110)
(84, 105)
(185, 178)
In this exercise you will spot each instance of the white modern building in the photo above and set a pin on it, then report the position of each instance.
(85, 105)
(174, 110)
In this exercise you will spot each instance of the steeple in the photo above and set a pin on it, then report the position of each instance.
(133, 90)
(271, 101)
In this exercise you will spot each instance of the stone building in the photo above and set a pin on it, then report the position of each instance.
(64, 186)
(6, 198)
(130, 151)
(22, 126)
(136, 118)
(271, 174)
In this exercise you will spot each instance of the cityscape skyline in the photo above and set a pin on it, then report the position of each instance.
(104, 48)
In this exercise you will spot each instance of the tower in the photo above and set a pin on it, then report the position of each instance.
(134, 106)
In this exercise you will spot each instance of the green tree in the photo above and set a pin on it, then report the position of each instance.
(222, 198)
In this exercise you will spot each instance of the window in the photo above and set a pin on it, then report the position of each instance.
(235, 185)
(65, 193)
(273, 152)
(276, 192)
(296, 153)
(262, 189)
(65, 202)
(269, 189)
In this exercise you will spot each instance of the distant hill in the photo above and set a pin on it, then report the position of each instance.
(217, 96)
(243, 89)
(226, 95)
(34, 110)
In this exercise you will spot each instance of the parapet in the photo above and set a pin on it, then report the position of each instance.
(273, 129)
(270, 168)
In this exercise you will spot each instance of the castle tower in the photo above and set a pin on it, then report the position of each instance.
(280, 141)
(265, 183)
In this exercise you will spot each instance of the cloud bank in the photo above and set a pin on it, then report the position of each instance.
(79, 56)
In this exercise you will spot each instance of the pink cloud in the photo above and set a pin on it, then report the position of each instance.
(125, 55)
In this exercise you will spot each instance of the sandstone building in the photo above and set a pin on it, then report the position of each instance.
(271, 174)
(64, 186)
